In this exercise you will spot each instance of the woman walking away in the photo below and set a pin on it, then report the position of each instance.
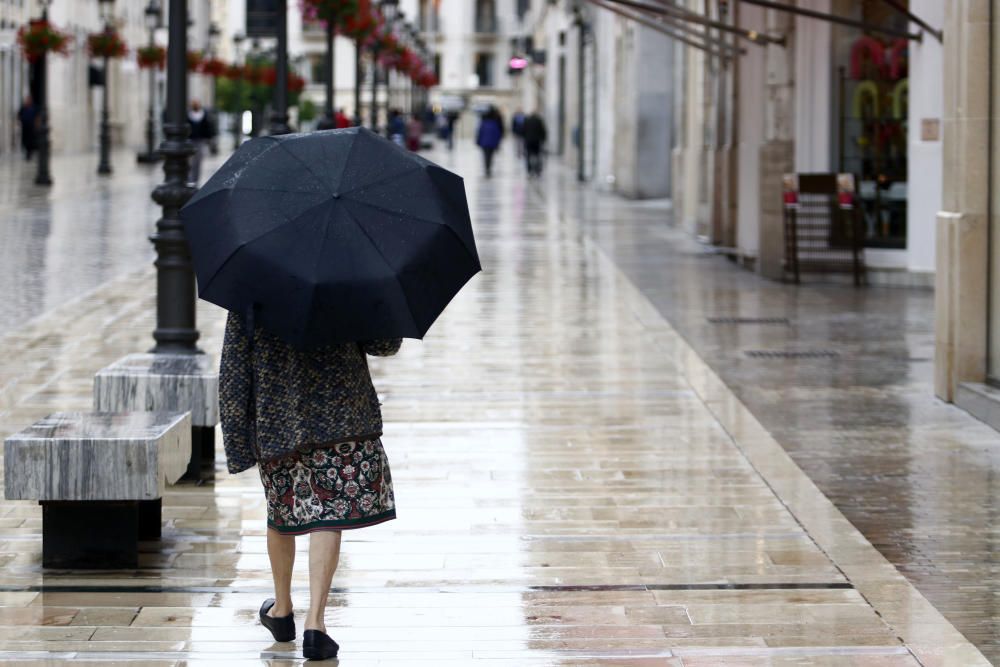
(310, 421)
(489, 137)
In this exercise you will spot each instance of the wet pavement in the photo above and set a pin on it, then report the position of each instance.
(575, 485)
(58, 243)
(856, 410)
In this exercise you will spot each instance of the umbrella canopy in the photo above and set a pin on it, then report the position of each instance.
(331, 236)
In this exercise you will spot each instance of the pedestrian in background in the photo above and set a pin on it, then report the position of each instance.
(396, 127)
(202, 131)
(340, 120)
(450, 119)
(517, 129)
(27, 116)
(535, 135)
(489, 136)
(414, 134)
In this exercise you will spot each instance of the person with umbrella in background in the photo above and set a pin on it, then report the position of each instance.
(489, 136)
(325, 248)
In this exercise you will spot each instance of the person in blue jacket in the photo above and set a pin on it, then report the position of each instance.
(489, 136)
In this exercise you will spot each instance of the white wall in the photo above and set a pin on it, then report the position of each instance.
(925, 157)
(813, 88)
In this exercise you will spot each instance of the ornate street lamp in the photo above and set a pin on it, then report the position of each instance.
(104, 166)
(388, 9)
(279, 117)
(238, 91)
(153, 17)
(43, 177)
(175, 283)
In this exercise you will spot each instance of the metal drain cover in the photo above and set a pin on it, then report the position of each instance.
(782, 321)
(792, 354)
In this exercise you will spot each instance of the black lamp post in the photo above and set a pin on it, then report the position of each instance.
(154, 21)
(175, 283)
(358, 75)
(331, 61)
(104, 166)
(213, 41)
(388, 8)
(43, 177)
(238, 92)
(279, 117)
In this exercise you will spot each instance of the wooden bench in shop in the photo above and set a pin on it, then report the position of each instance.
(99, 478)
(167, 383)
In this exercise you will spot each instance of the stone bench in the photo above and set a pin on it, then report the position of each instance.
(167, 383)
(99, 478)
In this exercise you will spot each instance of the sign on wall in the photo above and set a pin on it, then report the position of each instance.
(262, 18)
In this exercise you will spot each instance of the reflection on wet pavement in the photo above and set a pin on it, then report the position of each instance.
(918, 477)
(574, 487)
(58, 243)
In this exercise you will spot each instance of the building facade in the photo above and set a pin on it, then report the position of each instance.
(74, 90)
(605, 86)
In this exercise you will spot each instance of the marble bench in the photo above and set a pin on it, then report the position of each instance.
(99, 478)
(169, 383)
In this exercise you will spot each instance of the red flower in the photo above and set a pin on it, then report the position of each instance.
(106, 44)
(39, 37)
(213, 67)
(194, 59)
(151, 56)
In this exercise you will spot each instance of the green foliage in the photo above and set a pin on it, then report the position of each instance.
(232, 96)
(307, 110)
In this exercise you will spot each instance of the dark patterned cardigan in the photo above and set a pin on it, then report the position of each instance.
(275, 399)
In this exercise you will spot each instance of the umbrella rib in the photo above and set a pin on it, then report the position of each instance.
(308, 169)
(386, 260)
(319, 257)
(415, 218)
(406, 214)
(257, 238)
(384, 180)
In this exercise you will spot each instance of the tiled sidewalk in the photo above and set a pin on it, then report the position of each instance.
(915, 475)
(574, 486)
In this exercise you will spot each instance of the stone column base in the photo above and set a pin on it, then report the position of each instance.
(960, 301)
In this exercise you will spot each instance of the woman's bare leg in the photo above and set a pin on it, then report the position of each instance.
(324, 554)
(281, 551)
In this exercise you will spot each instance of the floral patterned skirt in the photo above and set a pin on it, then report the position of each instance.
(339, 487)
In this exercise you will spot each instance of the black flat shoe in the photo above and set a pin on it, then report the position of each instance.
(318, 645)
(282, 628)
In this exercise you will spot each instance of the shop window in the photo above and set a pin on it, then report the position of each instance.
(872, 80)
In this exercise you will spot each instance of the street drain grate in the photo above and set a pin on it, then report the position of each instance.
(792, 354)
(782, 321)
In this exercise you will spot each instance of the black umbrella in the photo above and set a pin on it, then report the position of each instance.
(331, 236)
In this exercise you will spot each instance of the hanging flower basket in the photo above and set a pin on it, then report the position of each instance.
(296, 84)
(149, 57)
(269, 76)
(233, 73)
(106, 44)
(194, 59)
(330, 11)
(39, 37)
(253, 74)
(360, 25)
(213, 67)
